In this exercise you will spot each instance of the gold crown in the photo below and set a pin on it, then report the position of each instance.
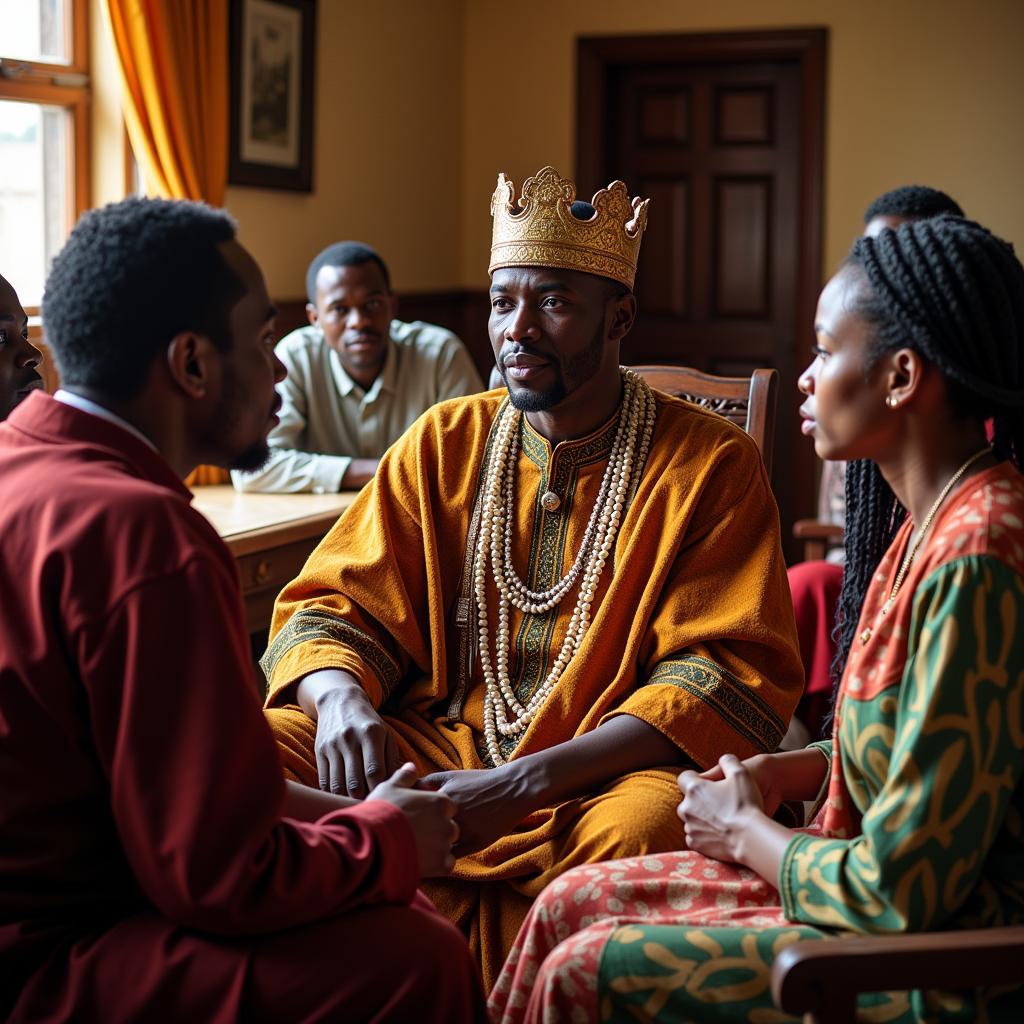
(544, 233)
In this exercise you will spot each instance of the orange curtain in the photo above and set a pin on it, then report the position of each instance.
(173, 57)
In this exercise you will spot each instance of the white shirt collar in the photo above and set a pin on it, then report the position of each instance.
(91, 407)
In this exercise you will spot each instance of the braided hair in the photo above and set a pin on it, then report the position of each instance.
(954, 293)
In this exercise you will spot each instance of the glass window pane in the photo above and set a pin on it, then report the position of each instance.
(34, 192)
(36, 30)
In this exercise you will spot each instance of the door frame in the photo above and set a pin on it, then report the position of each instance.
(596, 56)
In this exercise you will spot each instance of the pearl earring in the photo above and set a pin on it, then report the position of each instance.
(890, 400)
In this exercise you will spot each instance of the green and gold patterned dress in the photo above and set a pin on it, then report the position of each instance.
(923, 828)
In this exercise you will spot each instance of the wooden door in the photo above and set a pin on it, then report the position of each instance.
(724, 134)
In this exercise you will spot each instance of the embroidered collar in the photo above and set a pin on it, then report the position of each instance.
(593, 447)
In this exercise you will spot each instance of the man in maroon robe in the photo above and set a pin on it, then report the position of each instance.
(153, 864)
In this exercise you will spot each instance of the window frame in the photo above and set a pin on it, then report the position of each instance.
(40, 82)
(78, 62)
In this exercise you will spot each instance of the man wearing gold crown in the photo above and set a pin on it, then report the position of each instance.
(549, 599)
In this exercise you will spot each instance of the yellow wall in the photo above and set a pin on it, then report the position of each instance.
(420, 104)
(387, 149)
(106, 120)
(387, 146)
(919, 91)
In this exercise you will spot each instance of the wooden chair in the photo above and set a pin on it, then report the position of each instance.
(821, 979)
(818, 536)
(822, 533)
(748, 401)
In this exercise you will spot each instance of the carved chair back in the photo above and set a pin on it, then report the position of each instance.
(748, 401)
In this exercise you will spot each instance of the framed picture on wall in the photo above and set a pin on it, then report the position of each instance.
(271, 68)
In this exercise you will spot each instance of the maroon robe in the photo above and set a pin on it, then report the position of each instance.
(146, 872)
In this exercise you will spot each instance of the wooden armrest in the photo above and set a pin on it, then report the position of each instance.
(817, 536)
(822, 977)
(815, 529)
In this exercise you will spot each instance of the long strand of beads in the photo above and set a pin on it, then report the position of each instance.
(577, 628)
(501, 668)
(536, 602)
(626, 461)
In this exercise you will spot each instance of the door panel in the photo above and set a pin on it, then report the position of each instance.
(744, 115)
(723, 134)
(741, 285)
(666, 286)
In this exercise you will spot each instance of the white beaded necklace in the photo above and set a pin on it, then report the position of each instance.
(625, 464)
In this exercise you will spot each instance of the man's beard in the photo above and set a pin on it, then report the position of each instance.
(257, 454)
(253, 458)
(537, 401)
(576, 372)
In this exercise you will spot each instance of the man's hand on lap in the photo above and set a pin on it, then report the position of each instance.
(355, 750)
(489, 803)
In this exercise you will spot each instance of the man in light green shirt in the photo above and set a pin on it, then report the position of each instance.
(357, 378)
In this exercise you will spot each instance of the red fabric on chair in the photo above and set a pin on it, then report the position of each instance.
(815, 589)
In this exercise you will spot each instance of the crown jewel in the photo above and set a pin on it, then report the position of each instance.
(543, 232)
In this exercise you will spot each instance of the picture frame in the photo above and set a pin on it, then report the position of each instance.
(271, 66)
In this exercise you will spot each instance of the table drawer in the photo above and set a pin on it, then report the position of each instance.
(264, 574)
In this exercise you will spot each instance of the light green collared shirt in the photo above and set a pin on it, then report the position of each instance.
(327, 419)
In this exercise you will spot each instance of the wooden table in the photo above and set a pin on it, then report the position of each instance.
(271, 536)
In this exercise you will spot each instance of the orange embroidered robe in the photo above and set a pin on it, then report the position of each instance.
(692, 628)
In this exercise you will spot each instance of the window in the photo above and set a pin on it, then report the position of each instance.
(44, 135)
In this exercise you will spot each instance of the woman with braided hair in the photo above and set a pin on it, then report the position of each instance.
(815, 584)
(920, 339)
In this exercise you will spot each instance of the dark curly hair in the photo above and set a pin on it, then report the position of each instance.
(915, 201)
(131, 276)
(344, 254)
(953, 292)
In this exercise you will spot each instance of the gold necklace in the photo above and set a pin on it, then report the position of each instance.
(909, 557)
